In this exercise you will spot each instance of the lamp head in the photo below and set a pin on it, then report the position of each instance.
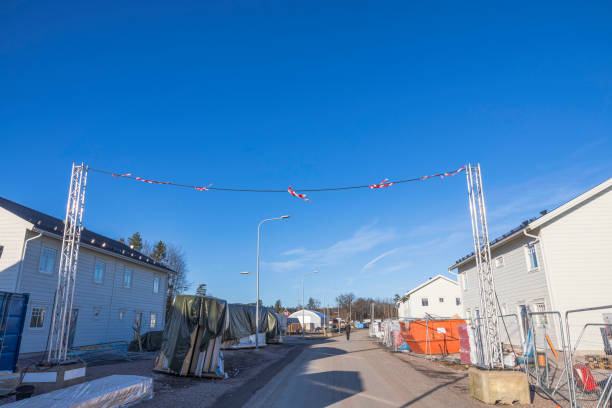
(245, 273)
(285, 216)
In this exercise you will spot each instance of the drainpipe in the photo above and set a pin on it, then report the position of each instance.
(23, 250)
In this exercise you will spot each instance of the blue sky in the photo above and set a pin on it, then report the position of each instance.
(266, 94)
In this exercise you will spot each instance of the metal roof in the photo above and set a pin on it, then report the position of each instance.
(55, 226)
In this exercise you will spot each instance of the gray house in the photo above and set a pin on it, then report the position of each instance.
(116, 286)
(559, 261)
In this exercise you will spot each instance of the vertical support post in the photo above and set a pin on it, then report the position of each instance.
(493, 357)
(59, 332)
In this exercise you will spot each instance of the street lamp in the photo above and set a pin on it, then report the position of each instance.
(283, 217)
(303, 305)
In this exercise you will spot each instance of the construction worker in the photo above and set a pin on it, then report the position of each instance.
(348, 330)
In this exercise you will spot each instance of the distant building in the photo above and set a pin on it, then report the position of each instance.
(438, 297)
(116, 286)
(557, 262)
(310, 319)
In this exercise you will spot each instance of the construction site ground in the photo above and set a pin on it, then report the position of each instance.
(310, 372)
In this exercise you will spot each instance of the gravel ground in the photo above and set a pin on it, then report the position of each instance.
(243, 366)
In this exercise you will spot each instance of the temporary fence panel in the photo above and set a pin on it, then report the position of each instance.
(13, 308)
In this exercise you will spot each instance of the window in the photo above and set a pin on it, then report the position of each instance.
(37, 319)
(532, 257)
(153, 320)
(127, 278)
(47, 260)
(541, 319)
(457, 301)
(424, 301)
(156, 284)
(99, 271)
(441, 300)
(121, 314)
(96, 313)
(499, 262)
(1, 249)
(464, 281)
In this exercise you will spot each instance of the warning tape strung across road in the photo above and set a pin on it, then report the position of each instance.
(299, 193)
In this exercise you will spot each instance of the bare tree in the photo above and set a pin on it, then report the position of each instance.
(177, 281)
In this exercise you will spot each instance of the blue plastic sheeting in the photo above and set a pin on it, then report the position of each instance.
(13, 309)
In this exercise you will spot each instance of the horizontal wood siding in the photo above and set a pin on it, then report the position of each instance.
(12, 237)
(578, 249)
(108, 297)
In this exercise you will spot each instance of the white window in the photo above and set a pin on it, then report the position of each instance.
(99, 269)
(153, 320)
(156, 284)
(532, 257)
(96, 313)
(127, 278)
(424, 301)
(121, 315)
(457, 301)
(37, 318)
(441, 300)
(47, 260)
(464, 281)
(499, 262)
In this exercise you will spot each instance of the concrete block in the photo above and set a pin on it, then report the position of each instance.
(499, 387)
(50, 378)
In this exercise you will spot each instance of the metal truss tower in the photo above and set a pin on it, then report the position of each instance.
(62, 309)
(489, 313)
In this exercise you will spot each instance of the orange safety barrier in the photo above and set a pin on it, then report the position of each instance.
(443, 336)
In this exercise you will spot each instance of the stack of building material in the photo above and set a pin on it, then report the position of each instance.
(274, 334)
(112, 391)
(191, 344)
(240, 331)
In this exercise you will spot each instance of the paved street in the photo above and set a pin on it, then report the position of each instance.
(360, 374)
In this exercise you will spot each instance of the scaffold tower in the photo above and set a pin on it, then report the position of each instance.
(57, 346)
(489, 313)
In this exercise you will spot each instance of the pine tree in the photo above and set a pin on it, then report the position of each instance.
(159, 252)
(135, 241)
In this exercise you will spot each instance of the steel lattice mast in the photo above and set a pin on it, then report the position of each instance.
(62, 308)
(492, 348)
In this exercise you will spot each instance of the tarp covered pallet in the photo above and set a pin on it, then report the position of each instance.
(191, 343)
(241, 327)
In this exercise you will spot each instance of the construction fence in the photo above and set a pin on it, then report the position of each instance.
(566, 357)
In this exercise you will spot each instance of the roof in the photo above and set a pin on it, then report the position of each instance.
(54, 226)
(545, 217)
(422, 285)
(306, 311)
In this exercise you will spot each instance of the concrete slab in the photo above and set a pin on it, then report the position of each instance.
(499, 387)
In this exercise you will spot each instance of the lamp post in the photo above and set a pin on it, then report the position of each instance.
(283, 217)
(303, 305)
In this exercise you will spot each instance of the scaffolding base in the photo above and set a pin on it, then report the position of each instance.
(499, 387)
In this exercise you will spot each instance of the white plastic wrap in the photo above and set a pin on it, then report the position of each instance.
(108, 392)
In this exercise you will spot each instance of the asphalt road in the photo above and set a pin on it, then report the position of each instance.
(358, 373)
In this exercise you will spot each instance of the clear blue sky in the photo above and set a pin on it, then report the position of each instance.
(258, 94)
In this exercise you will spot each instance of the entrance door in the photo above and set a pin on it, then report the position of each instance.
(73, 325)
(524, 318)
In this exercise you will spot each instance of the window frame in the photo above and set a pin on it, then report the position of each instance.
(530, 256)
(500, 262)
(464, 281)
(457, 301)
(441, 300)
(96, 262)
(44, 309)
(131, 275)
(156, 281)
(424, 302)
(153, 320)
(42, 253)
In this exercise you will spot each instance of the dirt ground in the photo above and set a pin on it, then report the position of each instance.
(242, 366)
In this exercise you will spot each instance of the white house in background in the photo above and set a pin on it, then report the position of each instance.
(116, 286)
(309, 318)
(557, 262)
(438, 297)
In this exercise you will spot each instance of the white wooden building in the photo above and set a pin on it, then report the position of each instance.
(115, 285)
(438, 297)
(557, 262)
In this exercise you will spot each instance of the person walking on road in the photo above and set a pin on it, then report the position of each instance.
(348, 331)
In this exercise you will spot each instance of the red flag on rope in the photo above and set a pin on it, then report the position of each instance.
(121, 175)
(382, 184)
(293, 193)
